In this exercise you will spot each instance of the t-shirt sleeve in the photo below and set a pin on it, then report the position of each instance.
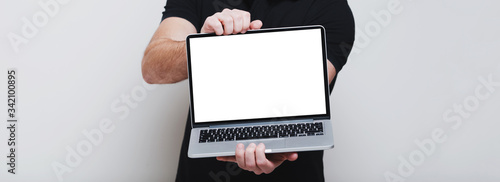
(337, 18)
(187, 9)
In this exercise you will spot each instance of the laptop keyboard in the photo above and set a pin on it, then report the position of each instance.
(260, 132)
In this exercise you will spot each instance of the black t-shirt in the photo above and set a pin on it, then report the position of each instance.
(334, 15)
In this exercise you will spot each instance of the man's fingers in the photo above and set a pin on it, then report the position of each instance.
(212, 24)
(237, 21)
(254, 158)
(246, 22)
(255, 25)
(230, 22)
(240, 155)
(292, 156)
(227, 21)
(250, 159)
(265, 165)
(217, 26)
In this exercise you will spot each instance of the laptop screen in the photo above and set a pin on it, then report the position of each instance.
(258, 75)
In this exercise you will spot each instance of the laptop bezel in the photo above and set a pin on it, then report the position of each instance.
(240, 121)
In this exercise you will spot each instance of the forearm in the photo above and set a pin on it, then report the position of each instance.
(164, 61)
(331, 71)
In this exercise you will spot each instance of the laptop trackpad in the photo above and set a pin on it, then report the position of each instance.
(270, 143)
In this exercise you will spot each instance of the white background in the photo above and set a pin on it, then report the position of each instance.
(258, 75)
(403, 76)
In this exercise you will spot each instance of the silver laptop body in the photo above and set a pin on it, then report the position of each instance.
(265, 86)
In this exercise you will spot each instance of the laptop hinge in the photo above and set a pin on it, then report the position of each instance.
(261, 123)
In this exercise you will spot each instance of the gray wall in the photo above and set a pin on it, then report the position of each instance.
(413, 102)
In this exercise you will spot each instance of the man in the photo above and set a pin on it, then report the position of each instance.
(165, 62)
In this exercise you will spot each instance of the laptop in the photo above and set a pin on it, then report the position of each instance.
(265, 86)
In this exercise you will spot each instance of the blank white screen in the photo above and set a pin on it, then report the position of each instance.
(258, 75)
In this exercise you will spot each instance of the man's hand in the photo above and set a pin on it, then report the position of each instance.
(165, 57)
(230, 22)
(254, 159)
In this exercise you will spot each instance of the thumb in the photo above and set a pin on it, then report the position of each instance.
(292, 156)
(255, 25)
